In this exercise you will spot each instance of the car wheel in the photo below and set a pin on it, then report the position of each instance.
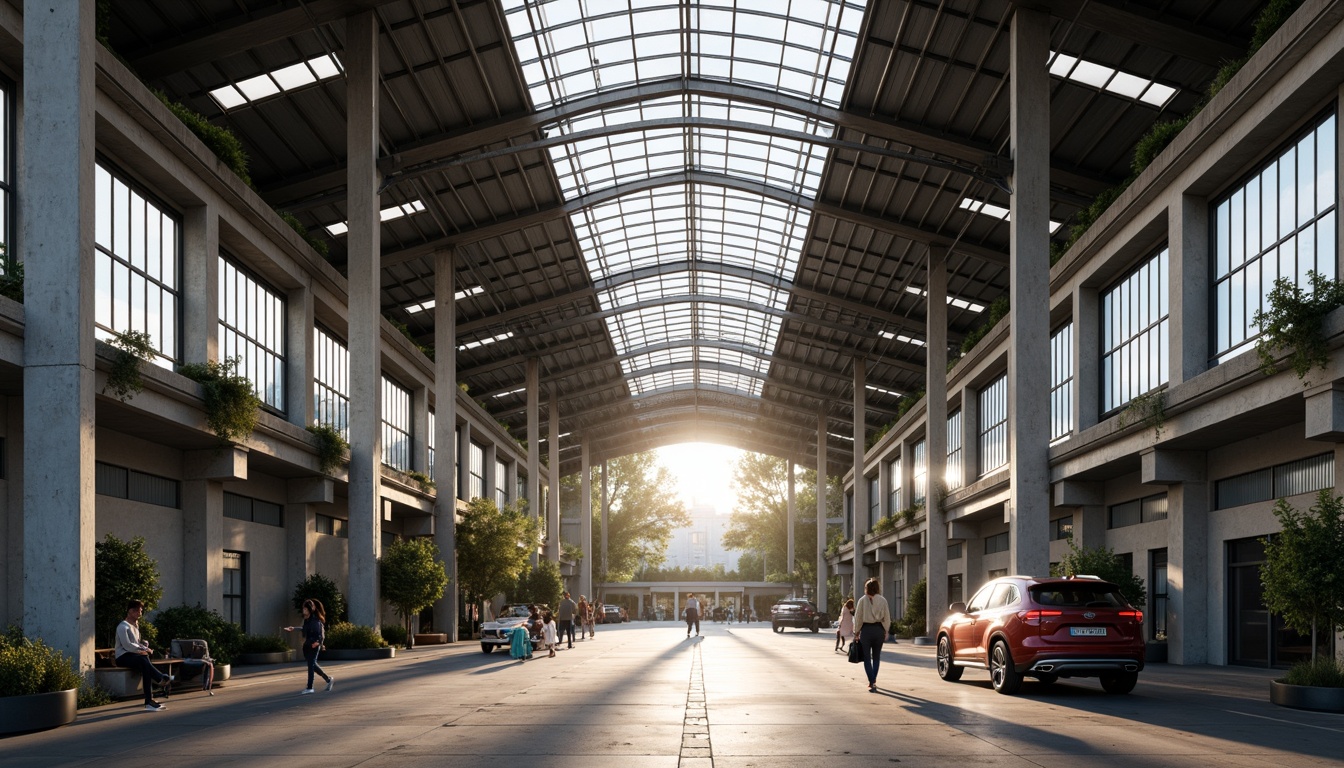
(778, 627)
(1047, 678)
(815, 627)
(946, 669)
(1123, 682)
(1005, 677)
(487, 647)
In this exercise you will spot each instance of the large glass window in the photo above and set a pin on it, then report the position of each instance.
(476, 481)
(1288, 479)
(253, 510)
(501, 484)
(331, 381)
(1061, 383)
(123, 483)
(1134, 333)
(1146, 510)
(999, 542)
(1157, 600)
(919, 474)
(953, 476)
(6, 172)
(1279, 224)
(396, 425)
(430, 443)
(137, 264)
(874, 501)
(994, 425)
(252, 330)
(235, 588)
(894, 485)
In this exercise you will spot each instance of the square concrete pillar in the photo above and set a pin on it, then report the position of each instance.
(935, 432)
(553, 479)
(1188, 288)
(203, 543)
(300, 544)
(1089, 516)
(446, 609)
(860, 435)
(1188, 574)
(1086, 358)
(200, 284)
(822, 597)
(300, 323)
(420, 430)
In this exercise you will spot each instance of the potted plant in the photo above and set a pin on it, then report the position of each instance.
(263, 649)
(39, 688)
(355, 642)
(412, 578)
(1302, 585)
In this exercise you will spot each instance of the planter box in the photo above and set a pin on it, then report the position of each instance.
(431, 638)
(37, 712)
(274, 657)
(1155, 653)
(1306, 697)
(358, 654)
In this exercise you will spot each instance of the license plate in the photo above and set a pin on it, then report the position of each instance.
(1087, 631)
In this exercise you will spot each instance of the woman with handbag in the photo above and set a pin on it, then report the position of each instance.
(846, 631)
(873, 616)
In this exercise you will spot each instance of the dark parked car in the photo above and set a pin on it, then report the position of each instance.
(801, 614)
(612, 614)
(1044, 628)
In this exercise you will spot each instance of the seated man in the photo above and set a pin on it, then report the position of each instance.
(134, 654)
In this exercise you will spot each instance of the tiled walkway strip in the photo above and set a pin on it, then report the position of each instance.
(695, 748)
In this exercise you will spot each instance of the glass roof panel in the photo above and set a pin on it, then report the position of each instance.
(680, 377)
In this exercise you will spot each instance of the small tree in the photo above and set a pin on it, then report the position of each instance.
(1302, 577)
(412, 577)
(494, 547)
(541, 584)
(122, 571)
(1105, 565)
(323, 589)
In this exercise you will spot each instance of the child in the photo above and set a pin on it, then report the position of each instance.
(845, 632)
(549, 636)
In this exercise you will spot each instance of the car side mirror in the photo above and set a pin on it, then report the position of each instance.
(957, 608)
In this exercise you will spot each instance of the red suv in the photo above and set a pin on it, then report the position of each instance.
(1045, 628)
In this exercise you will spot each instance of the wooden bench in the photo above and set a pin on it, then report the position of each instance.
(123, 683)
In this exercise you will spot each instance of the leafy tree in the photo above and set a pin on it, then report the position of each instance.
(540, 584)
(644, 511)
(325, 591)
(412, 577)
(1104, 564)
(913, 623)
(494, 547)
(122, 571)
(1302, 577)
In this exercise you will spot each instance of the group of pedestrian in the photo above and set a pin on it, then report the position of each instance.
(549, 629)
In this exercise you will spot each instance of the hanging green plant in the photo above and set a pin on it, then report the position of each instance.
(315, 242)
(1149, 409)
(1295, 319)
(11, 282)
(424, 481)
(997, 311)
(331, 447)
(220, 141)
(134, 348)
(231, 403)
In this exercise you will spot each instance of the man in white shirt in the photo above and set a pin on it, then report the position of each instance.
(692, 614)
(132, 653)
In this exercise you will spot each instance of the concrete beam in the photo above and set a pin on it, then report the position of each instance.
(1325, 412)
(908, 547)
(226, 463)
(310, 490)
(888, 555)
(1166, 467)
(960, 530)
(1076, 493)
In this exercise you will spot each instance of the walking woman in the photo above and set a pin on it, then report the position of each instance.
(873, 616)
(845, 633)
(314, 632)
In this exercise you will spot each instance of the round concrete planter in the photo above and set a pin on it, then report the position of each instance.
(274, 657)
(358, 654)
(37, 712)
(222, 672)
(1306, 697)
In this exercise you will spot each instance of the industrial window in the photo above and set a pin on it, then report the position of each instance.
(476, 482)
(235, 588)
(252, 330)
(1157, 601)
(894, 484)
(136, 266)
(522, 487)
(6, 172)
(996, 543)
(953, 475)
(954, 551)
(994, 425)
(954, 588)
(874, 501)
(1280, 223)
(1134, 333)
(430, 443)
(332, 526)
(396, 425)
(1289, 479)
(919, 474)
(331, 381)
(1061, 383)
(997, 573)
(252, 510)
(122, 483)
(1146, 510)
(1061, 528)
(501, 484)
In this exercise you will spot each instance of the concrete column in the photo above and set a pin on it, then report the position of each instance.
(1089, 515)
(821, 508)
(970, 436)
(445, 428)
(1086, 359)
(56, 222)
(200, 285)
(534, 442)
(420, 430)
(1188, 503)
(365, 491)
(585, 519)
(300, 543)
(511, 480)
(203, 543)
(1188, 288)
(1029, 290)
(463, 437)
(606, 522)
(299, 324)
(792, 515)
(11, 519)
(553, 480)
(935, 437)
(860, 432)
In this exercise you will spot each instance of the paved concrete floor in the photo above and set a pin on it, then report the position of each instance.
(644, 696)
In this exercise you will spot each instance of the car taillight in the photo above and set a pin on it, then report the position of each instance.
(1033, 617)
(1137, 616)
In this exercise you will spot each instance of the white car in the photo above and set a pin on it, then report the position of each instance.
(497, 632)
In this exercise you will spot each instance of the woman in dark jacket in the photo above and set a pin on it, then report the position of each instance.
(314, 632)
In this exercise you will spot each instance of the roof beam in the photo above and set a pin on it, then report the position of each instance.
(1188, 41)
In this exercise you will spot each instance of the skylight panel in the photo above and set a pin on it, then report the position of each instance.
(682, 377)
(387, 214)
(998, 211)
(881, 391)
(483, 342)
(510, 392)
(465, 293)
(902, 337)
(959, 303)
(1109, 79)
(278, 81)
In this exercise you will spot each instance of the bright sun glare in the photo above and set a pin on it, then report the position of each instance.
(703, 473)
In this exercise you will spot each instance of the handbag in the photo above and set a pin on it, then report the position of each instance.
(855, 652)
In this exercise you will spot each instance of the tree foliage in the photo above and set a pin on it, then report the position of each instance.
(494, 547)
(539, 584)
(412, 577)
(324, 590)
(1302, 577)
(1103, 563)
(644, 511)
(122, 571)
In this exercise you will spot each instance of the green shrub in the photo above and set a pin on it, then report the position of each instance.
(231, 402)
(1322, 672)
(331, 448)
(324, 590)
(315, 242)
(28, 666)
(916, 605)
(220, 141)
(93, 696)
(11, 282)
(184, 622)
(394, 634)
(344, 636)
(134, 348)
(1103, 563)
(262, 644)
(997, 311)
